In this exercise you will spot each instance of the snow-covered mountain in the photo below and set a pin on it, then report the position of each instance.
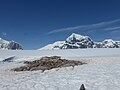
(75, 41)
(78, 41)
(107, 43)
(9, 45)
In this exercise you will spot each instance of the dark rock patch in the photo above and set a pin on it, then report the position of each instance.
(47, 63)
(9, 59)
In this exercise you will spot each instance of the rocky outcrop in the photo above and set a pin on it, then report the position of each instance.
(47, 63)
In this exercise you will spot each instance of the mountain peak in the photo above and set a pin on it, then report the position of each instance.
(77, 36)
(9, 45)
(109, 40)
(74, 34)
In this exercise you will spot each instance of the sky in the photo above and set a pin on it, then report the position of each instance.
(36, 23)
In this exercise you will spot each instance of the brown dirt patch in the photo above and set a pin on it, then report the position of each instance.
(47, 63)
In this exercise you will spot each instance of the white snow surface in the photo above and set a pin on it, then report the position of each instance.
(55, 45)
(101, 73)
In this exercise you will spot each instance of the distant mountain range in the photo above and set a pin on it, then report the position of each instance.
(9, 45)
(75, 41)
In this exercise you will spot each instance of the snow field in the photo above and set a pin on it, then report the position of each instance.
(101, 73)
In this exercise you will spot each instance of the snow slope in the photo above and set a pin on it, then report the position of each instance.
(101, 73)
(56, 45)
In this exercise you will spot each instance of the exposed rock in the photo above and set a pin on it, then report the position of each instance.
(9, 59)
(47, 63)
